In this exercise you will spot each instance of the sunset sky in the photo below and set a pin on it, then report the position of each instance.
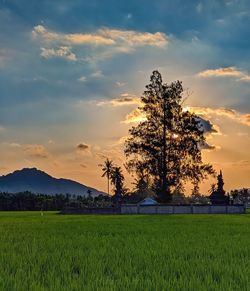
(71, 73)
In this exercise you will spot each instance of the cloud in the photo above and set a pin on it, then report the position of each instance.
(241, 163)
(208, 127)
(104, 42)
(209, 147)
(245, 119)
(135, 116)
(135, 38)
(225, 112)
(104, 36)
(97, 74)
(51, 142)
(14, 145)
(121, 140)
(120, 84)
(232, 72)
(125, 100)
(82, 79)
(82, 147)
(221, 72)
(36, 150)
(61, 52)
(41, 32)
(199, 8)
(79, 38)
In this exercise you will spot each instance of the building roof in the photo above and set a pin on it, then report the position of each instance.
(148, 201)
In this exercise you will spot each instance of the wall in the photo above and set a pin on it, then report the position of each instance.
(91, 210)
(181, 209)
(160, 209)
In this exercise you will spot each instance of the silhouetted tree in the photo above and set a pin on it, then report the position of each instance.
(220, 183)
(219, 195)
(212, 188)
(107, 169)
(168, 141)
(117, 179)
(241, 196)
(198, 198)
(89, 193)
(179, 198)
(142, 183)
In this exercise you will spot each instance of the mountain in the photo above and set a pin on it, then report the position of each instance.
(36, 181)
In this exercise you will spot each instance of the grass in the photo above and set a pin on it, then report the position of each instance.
(140, 252)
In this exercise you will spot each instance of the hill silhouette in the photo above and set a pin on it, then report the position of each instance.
(37, 181)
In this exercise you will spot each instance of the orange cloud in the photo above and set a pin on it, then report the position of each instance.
(41, 32)
(225, 72)
(79, 38)
(209, 147)
(135, 38)
(135, 116)
(124, 100)
(103, 36)
(36, 150)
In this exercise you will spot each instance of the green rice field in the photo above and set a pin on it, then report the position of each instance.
(122, 252)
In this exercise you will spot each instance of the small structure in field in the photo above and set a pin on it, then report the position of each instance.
(148, 201)
(219, 197)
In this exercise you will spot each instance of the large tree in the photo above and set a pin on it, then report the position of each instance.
(168, 142)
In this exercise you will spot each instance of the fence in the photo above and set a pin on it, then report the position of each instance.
(107, 210)
(160, 209)
(182, 209)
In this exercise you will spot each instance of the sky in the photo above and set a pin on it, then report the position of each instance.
(72, 72)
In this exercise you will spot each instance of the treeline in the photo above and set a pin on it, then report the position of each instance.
(27, 201)
(241, 196)
(33, 202)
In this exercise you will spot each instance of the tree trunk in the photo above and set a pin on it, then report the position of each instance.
(108, 184)
(165, 195)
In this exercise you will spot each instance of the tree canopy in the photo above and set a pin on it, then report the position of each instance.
(167, 143)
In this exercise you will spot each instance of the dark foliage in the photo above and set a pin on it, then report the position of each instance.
(115, 175)
(107, 169)
(219, 196)
(30, 201)
(117, 179)
(240, 196)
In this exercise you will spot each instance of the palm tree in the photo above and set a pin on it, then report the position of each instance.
(117, 179)
(107, 169)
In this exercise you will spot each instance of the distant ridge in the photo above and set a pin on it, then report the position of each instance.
(37, 181)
